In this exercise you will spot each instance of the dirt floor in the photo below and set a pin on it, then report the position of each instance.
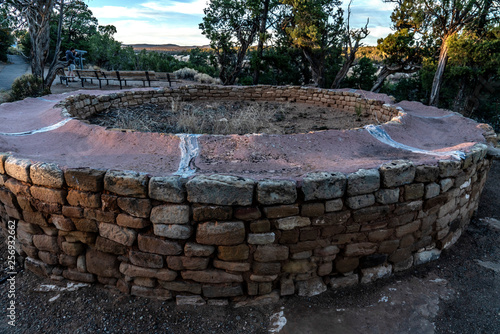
(230, 117)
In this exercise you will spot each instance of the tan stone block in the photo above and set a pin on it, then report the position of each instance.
(211, 276)
(147, 260)
(122, 235)
(281, 211)
(85, 225)
(133, 222)
(151, 244)
(126, 183)
(212, 213)
(46, 174)
(73, 248)
(85, 199)
(223, 233)
(18, 168)
(85, 179)
(46, 243)
(78, 236)
(170, 214)
(233, 253)
(62, 223)
(136, 207)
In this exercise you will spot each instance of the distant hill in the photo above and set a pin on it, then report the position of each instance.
(164, 47)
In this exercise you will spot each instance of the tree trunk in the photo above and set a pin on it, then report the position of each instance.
(260, 46)
(56, 64)
(384, 73)
(316, 62)
(342, 73)
(438, 77)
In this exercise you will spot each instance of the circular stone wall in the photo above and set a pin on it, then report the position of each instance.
(226, 217)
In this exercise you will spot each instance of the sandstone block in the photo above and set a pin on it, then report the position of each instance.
(432, 190)
(312, 209)
(126, 183)
(18, 168)
(414, 191)
(85, 225)
(142, 291)
(334, 205)
(135, 271)
(85, 199)
(167, 189)
(286, 287)
(271, 192)
(322, 185)
(364, 181)
(78, 236)
(211, 276)
(136, 207)
(193, 249)
(215, 291)
(122, 235)
(17, 187)
(74, 275)
(233, 253)
(426, 256)
(49, 258)
(259, 226)
(223, 233)
(182, 286)
(344, 282)
(311, 287)
(371, 274)
(346, 264)
(271, 253)
(360, 249)
(110, 246)
(145, 281)
(247, 213)
(232, 266)
(290, 223)
(333, 218)
(299, 267)
(281, 211)
(62, 223)
(3, 157)
(211, 213)
(151, 244)
(46, 243)
(173, 231)
(387, 196)
(397, 173)
(85, 179)
(449, 168)
(102, 264)
(190, 300)
(446, 184)
(38, 267)
(48, 175)
(261, 238)
(133, 222)
(72, 212)
(147, 260)
(220, 190)
(266, 268)
(426, 173)
(73, 248)
(361, 201)
(170, 214)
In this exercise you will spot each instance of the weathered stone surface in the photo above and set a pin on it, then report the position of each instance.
(271, 253)
(126, 183)
(266, 299)
(233, 253)
(78, 236)
(110, 246)
(370, 213)
(73, 248)
(287, 287)
(136, 207)
(85, 179)
(72, 212)
(49, 195)
(334, 205)
(346, 264)
(190, 300)
(448, 168)
(361, 201)
(18, 168)
(167, 189)
(426, 256)
(27, 227)
(261, 238)
(289, 237)
(147, 260)
(223, 233)
(133, 222)
(135, 271)
(414, 191)
(142, 291)
(432, 190)
(17, 187)
(48, 175)
(211, 276)
(387, 196)
(145, 281)
(102, 264)
(247, 213)
(62, 223)
(170, 214)
(260, 226)
(408, 228)
(271, 192)
(182, 286)
(281, 211)
(193, 249)
(372, 260)
(322, 185)
(85, 199)
(312, 209)
(290, 223)
(403, 265)
(189, 263)
(426, 173)
(360, 249)
(212, 212)
(46, 243)
(66, 260)
(3, 157)
(266, 268)
(100, 215)
(219, 291)
(85, 225)
(232, 266)
(49, 258)
(446, 184)
(220, 190)
(311, 287)
(173, 231)
(122, 235)
(364, 181)
(7, 198)
(74, 275)
(334, 218)
(299, 267)
(397, 173)
(151, 244)
(371, 274)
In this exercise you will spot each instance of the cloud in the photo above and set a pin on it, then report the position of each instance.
(192, 8)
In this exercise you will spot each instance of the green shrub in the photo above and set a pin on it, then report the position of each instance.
(25, 86)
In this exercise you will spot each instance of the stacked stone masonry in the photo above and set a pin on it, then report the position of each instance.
(221, 237)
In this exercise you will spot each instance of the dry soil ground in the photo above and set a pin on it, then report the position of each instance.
(459, 293)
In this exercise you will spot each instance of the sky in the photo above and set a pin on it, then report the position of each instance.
(176, 22)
